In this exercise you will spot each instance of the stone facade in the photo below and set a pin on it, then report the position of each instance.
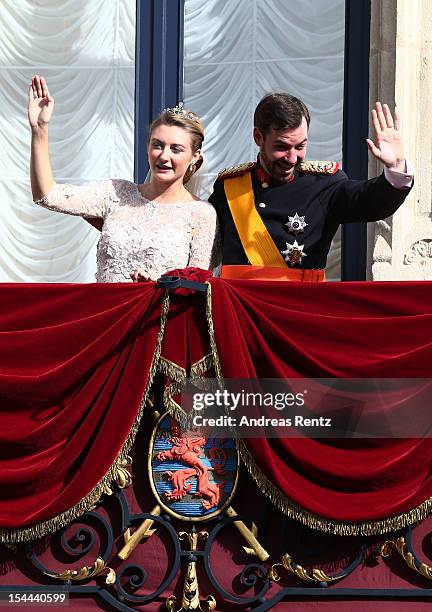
(400, 248)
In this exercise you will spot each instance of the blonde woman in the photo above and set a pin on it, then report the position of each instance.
(147, 229)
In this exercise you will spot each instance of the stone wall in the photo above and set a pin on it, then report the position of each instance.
(400, 248)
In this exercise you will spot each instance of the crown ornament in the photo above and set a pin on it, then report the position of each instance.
(180, 111)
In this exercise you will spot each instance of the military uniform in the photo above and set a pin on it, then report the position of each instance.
(303, 215)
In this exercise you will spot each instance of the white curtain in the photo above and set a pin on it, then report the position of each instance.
(86, 51)
(236, 51)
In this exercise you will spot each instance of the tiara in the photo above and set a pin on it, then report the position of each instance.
(180, 111)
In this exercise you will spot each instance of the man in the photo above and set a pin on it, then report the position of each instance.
(279, 215)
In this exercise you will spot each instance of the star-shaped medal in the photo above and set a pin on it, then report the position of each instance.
(294, 253)
(296, 224)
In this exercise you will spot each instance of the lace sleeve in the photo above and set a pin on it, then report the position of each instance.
(205, 245)
(82, 200)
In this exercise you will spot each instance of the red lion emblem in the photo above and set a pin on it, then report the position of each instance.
(187, 450)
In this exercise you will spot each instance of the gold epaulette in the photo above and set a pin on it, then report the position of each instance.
(318, 167)
(239, 170)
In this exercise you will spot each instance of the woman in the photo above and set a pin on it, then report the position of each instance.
(149, 228)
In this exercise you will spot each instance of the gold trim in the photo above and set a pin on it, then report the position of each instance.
(179, 376)
(201, 366)
(318, 167)
(213, 346)
(174, 409)
(44, 528)
(314, 521)
(235, 170)
(172, 370)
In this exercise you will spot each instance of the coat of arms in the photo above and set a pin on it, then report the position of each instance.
(193, 477)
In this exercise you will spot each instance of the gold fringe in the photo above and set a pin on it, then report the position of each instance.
(172, 370)
(215, 354)
(289, 508)
(197, 369)
(313, 521)
(40, 530)
(201, 366)
(179, 376)
(175, 410)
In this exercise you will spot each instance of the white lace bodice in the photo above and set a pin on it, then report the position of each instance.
(139, 233)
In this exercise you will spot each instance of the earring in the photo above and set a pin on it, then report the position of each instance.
(191, 166)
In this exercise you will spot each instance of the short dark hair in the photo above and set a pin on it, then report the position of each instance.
(280, 111)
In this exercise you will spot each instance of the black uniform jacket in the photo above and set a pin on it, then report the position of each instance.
(324, 200)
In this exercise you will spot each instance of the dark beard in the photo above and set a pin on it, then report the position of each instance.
(265, 163)
(268, 166)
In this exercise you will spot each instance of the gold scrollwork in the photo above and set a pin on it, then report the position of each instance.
(122, 476)
(191, 598)
(88, 571)
(192, 605)
(402, 548)
(302, 573)
(111, 577)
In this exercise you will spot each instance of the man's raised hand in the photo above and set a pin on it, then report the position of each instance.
(389, 147)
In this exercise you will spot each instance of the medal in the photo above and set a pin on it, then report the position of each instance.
(296, 224)
(294, 253)
(263, 178)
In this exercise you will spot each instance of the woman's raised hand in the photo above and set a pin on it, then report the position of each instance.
(141, 276)
(40, 103)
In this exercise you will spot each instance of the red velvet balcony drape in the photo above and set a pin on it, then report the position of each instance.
(76, 361)
(348, 330)
(74, 364)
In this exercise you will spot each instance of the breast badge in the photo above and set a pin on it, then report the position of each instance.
(294, 253)
(296, 224)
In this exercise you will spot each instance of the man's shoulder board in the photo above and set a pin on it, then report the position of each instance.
(318, 167)
(236, 171)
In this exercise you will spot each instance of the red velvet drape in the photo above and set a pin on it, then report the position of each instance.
(75, 361)
(350, 330)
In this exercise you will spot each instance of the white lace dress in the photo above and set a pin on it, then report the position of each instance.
(139, 233)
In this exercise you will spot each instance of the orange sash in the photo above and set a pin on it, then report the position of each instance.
(254, 236)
